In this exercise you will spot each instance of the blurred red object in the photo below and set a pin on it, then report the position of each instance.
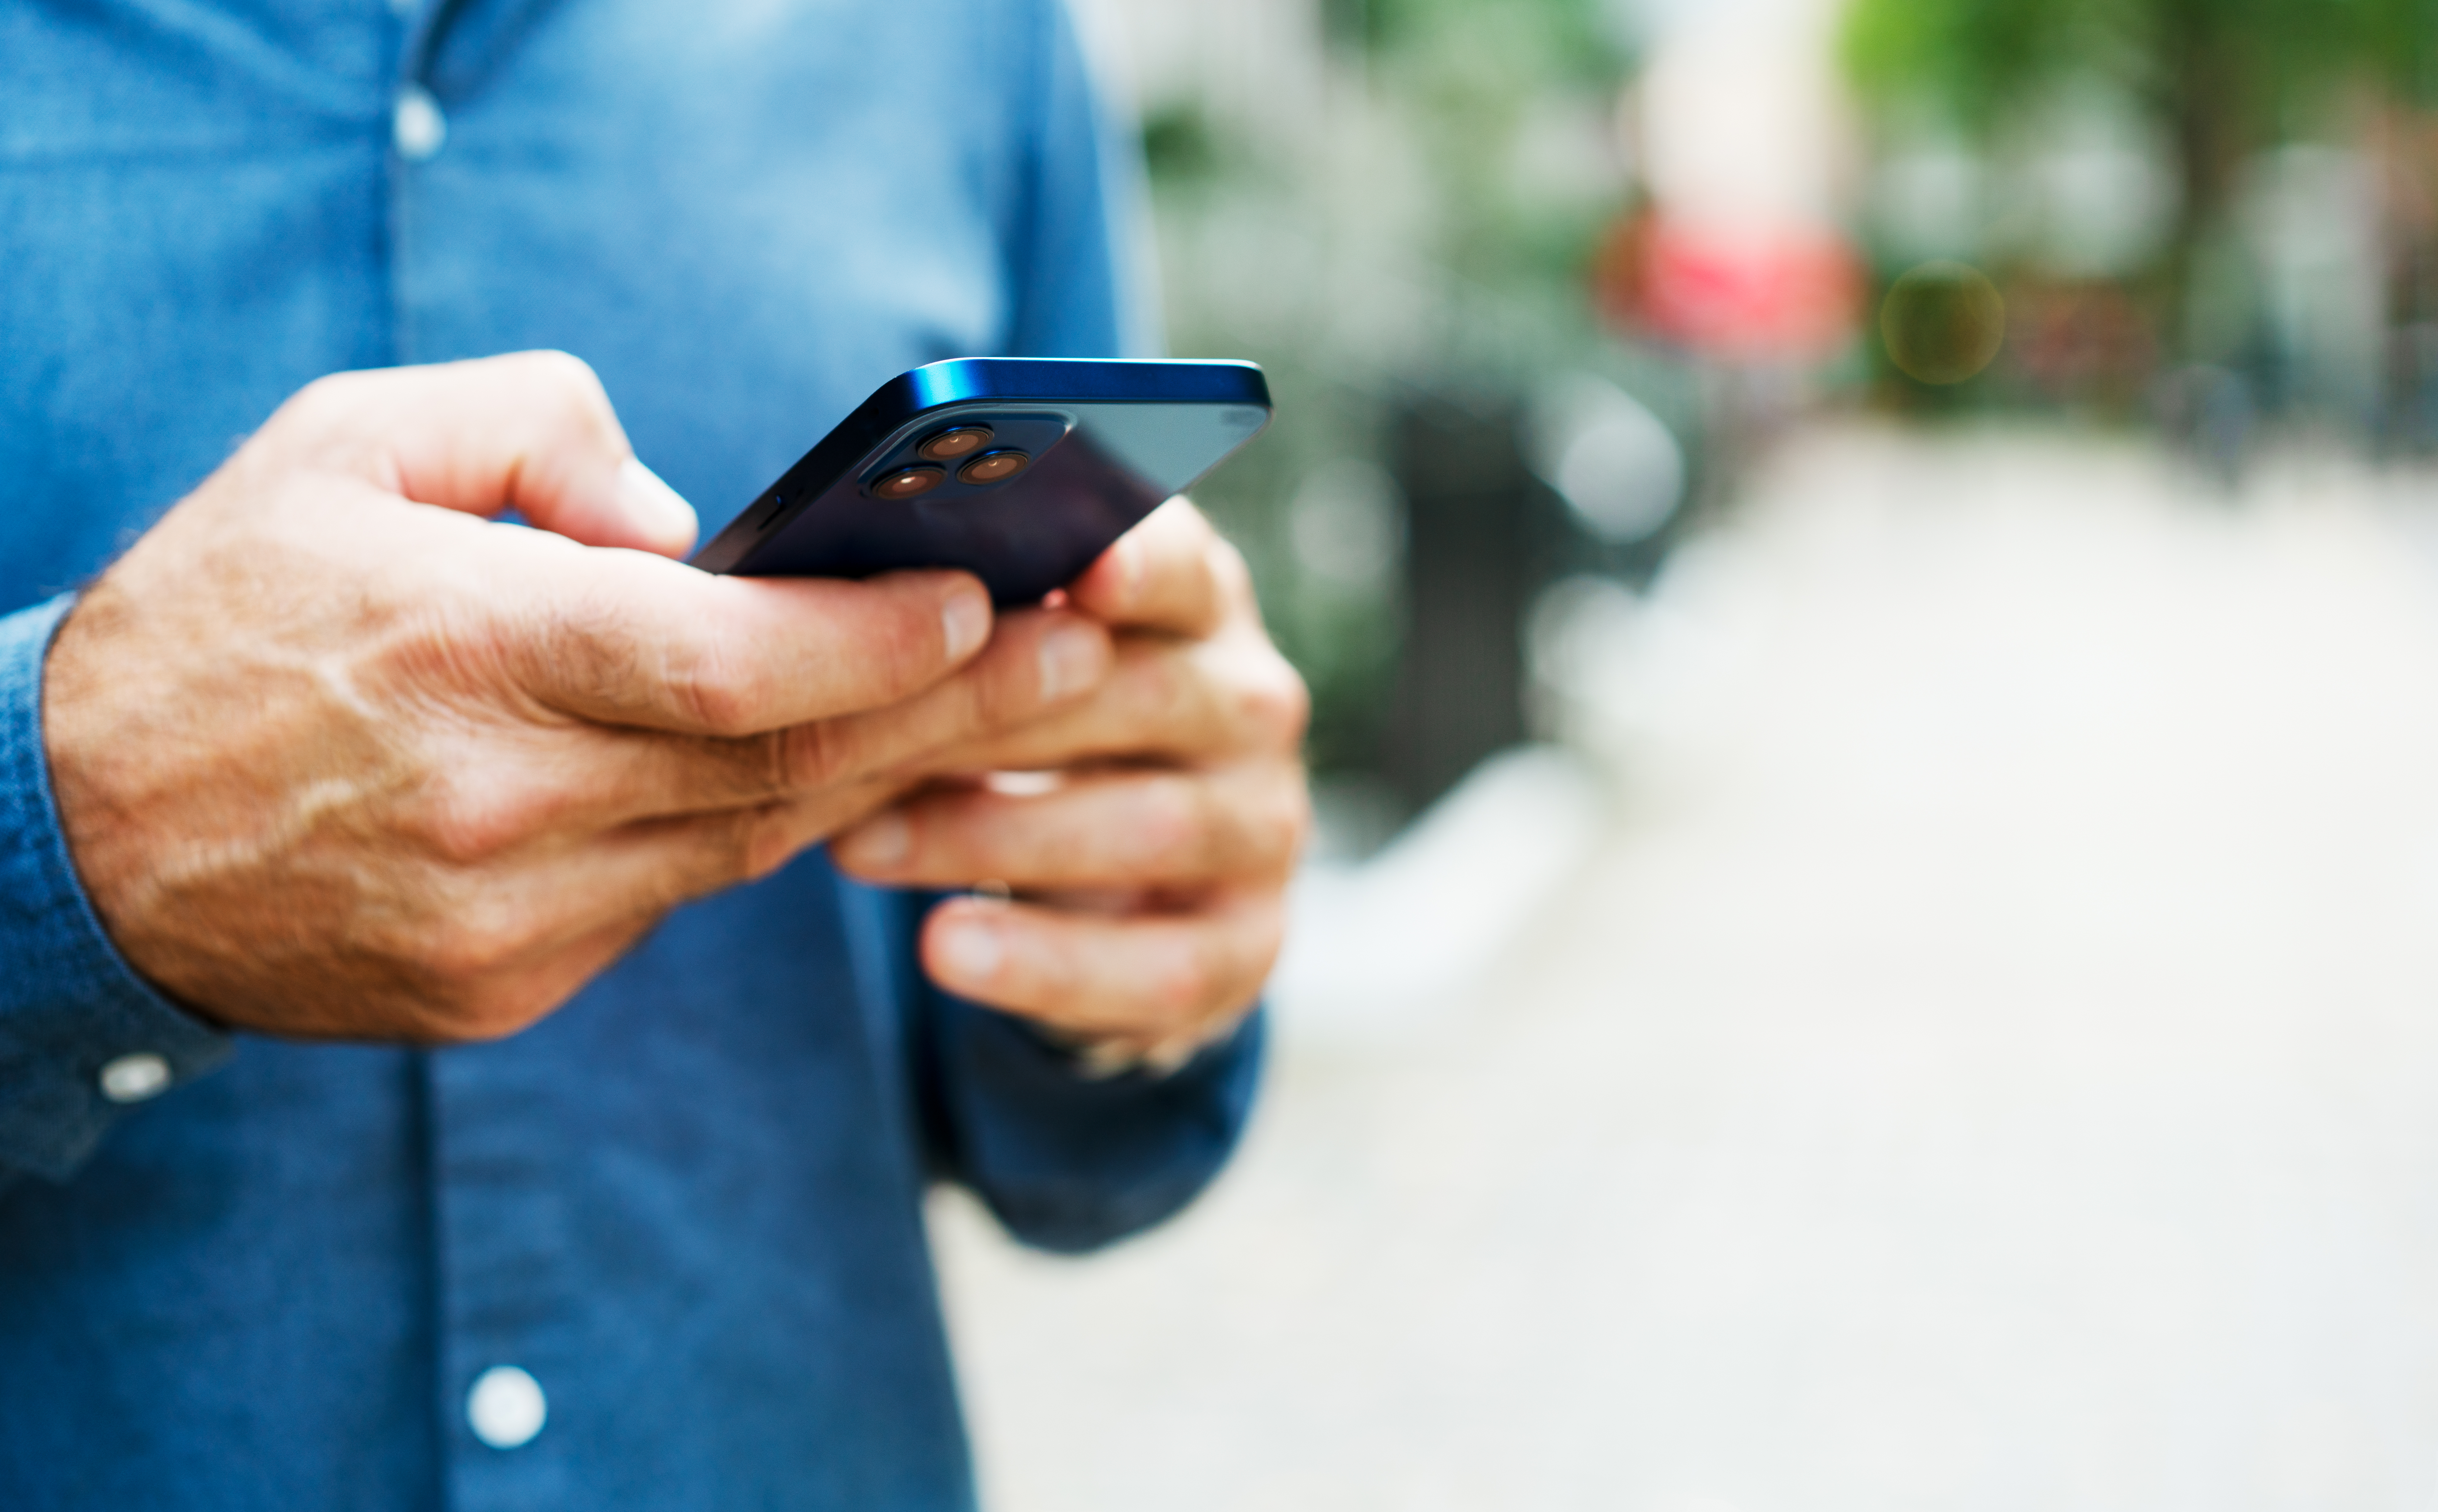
(2082, 339)
(1736, 292)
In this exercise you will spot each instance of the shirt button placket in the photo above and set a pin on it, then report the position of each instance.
(503, 1253)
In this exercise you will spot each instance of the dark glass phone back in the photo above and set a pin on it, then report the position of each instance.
(1105, 443)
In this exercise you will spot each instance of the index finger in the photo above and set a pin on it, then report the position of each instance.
(531, 432)
(626, 639)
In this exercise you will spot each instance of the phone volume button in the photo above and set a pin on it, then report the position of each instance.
(778, 503)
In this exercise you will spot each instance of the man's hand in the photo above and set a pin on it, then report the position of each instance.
(337, 757)
(1148, 875)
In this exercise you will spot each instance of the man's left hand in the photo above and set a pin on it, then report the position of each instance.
(1145, 857)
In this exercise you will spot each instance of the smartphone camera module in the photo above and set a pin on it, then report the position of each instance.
(992, 466)
(949, 445)
(906, 483)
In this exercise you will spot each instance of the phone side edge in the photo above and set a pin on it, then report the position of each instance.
(1088, 381)
(889, 405)
(968, 380)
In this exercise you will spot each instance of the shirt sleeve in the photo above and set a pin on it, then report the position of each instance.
(80, 1033)
(1067, 1160)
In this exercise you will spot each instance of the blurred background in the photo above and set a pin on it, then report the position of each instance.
(1869, 571)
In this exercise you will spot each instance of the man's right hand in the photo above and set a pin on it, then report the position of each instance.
(337, 757)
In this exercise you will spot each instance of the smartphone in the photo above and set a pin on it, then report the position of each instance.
(1019, 470)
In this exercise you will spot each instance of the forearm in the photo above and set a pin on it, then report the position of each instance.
(80, 1033)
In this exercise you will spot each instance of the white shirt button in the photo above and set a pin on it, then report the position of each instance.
(417, 128)
(135, 1078)
(506, 1408)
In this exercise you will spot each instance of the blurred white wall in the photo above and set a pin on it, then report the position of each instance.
(1742, 118)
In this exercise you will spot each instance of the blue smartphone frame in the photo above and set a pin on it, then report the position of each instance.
(1107, 443)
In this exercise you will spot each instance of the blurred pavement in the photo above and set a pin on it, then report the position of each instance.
(1985, 1055)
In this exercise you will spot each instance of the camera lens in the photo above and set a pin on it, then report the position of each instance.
(962, 442)
(993, 466)
(908, 482)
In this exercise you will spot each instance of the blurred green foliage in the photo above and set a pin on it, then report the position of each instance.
(2222, 84)
(1527, 42)
(1468, 74)
(1178, 146)
(2262, 59)
(2228, 77)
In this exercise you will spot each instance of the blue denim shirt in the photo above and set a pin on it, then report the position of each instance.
(689, 1205)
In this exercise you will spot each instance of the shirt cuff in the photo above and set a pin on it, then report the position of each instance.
(81, 1036)
(1100, 1059)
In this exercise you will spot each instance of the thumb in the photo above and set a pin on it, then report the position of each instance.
(532, 431)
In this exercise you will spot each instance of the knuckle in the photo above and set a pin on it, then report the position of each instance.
(330, 390)
(908, 647)
(1180, 984)
(1284, 822)
(898, 645)
(451, 643)
(745, 846)
(468, 819)
(1163, 686)
(569, 641)
(826, 754)
(569, 375)
(564, 394)
(723, 693)
(1227, 564)
(313, 412)
(784, 760)
(975, 701)
(1174, 818)
(464, 955)
(1274, 703)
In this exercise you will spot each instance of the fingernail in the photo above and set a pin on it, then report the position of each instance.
(964, 623)
(656, 509)
(879, 843)
(1070, 660)
(1169, 1058)
(972, 951)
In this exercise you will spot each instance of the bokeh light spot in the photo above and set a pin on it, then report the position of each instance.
(1943, 322)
